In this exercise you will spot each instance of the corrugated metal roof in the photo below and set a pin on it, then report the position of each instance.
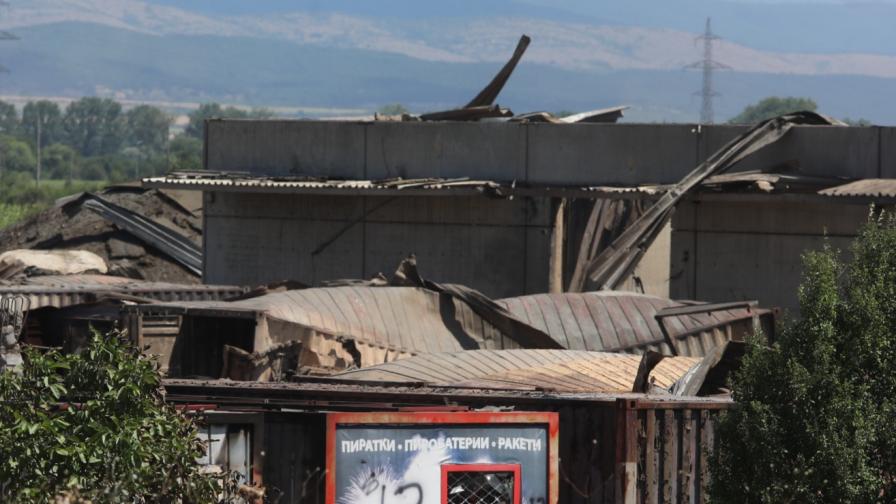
(615, 321)
(224, 181)
(219, 181)
(414, 320)
(872, 188)
(66, 290)
(556, 370)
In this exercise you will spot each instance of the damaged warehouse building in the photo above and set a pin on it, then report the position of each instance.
(506, 220)
(584, 292)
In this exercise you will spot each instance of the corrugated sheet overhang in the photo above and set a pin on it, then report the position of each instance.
(389, 187)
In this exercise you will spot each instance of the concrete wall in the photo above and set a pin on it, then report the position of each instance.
(726, 251)
(717, 251)
(572, 154)
(501, 247)
(498, 246)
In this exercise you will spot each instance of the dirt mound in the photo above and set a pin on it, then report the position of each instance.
(70, 225)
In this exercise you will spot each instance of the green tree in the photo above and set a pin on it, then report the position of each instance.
(196, 128)
(45, 116)
(60, 162)
(185, 153)
(772, 106)
(95, 425)
(94, 126)
(16, 156)
(147, 128)
(814, 414)
(9, 118)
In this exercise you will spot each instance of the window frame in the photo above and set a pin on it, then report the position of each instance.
(492, 468)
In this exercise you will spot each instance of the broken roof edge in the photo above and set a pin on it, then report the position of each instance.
(224, 182)
(322, 392)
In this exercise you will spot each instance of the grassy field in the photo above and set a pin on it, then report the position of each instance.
(19, 201)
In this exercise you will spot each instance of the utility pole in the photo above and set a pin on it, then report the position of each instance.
(707, 65)
(40, 119)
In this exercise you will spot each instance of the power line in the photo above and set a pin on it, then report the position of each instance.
(707, 65)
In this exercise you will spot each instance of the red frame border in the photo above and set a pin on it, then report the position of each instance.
(551, 419)
(511, 468)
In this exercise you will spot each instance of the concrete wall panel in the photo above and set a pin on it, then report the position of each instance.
(492, 151)
(472, 210)
(287, 148)
(610, 154)
(681, 269)
(887, 152)
(763, 267)
(732, 251)
(714, 137)
(247, 251)
(773, 216)
(253, 239)
(489, 259)
(284, 206)
(538, 255)
(830, 151)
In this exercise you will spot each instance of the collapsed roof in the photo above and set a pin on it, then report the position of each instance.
(144, 234)
(327, 329)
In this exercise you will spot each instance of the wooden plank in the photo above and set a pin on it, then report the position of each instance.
(580, 470)
(627, 428)
(555, 266)
(566, 455)
(688, 456)
(670, 457)
(707, 448)
(651, 459)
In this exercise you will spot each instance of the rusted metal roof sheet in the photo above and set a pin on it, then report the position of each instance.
(870, 188)
(66, 290)
(413, 320)
(556, 370)
(614, 321)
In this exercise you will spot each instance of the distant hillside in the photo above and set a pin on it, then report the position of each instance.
(74, 59)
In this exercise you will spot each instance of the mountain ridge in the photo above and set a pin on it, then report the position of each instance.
(570, 45)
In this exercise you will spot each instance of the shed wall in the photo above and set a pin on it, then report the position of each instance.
(752, 250)
(500, 247)
(570, 154)
(608, 453)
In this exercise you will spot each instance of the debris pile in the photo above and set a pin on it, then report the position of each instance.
(483, 106)
(139, 233)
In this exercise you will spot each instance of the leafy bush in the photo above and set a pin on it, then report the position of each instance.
(95, 425)
(815, 411)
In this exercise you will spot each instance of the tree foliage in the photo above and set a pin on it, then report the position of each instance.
(196, 127)
(772, 106)
(94, 126)
(147, 128)
(46, 114)
(16, 156)
(9, 118)
(814, 414)
(95, 424)
(186, 153)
